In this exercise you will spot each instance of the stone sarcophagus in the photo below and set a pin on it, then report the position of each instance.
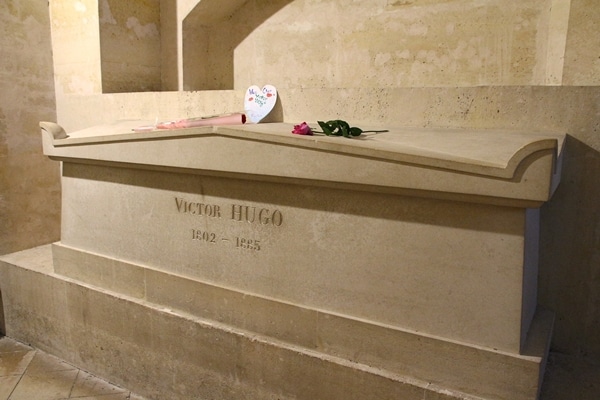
(395, 265)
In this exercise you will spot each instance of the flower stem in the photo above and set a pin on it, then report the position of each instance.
(381, 131)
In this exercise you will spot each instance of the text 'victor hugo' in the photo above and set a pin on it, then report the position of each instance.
(233, 212)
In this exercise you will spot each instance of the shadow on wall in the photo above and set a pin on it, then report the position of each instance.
(569, 278)
(207, 31)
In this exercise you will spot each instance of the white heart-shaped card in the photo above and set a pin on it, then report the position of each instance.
(258, 102)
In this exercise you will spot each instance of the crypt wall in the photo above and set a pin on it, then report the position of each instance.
(29, 182)
(454, 63)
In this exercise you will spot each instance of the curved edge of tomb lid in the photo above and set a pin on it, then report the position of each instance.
(495, 153)
(271, 149)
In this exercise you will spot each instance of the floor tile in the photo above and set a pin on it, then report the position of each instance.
(15, 363)
(53, 385)
(7, 384)
(89, 385)
(43, 363)
(8, 345)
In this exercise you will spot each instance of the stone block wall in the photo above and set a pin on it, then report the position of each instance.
(29, 182)
(130, 46)
(369, 44)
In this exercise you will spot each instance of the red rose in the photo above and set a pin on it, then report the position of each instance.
(302, 129)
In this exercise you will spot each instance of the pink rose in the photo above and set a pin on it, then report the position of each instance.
(302, 129)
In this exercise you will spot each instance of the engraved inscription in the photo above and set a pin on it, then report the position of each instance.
(236, 212)
(203, 236)
(248, 244)
(194, 208)
(251, 214)
(268, 217)
(212, 238)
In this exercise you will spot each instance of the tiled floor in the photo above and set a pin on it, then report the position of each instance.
(29, 374)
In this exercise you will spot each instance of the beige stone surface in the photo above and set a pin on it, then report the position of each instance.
(569, 256)
(388, 44)
(76, 112)
(7, 384)
(534, 109)
(130, 45)
(567, 228)
(569, 221)
(51, 385)
(522, 167)
(565, 377)
(233, 44)
(236, 224)
(399, 351)
(582, 63)
(109, 333)
(558, 25)
(29, 185)
(171, 69)
(76, 46)
(15, 363)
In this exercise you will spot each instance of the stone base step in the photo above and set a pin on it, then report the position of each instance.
(165, 351)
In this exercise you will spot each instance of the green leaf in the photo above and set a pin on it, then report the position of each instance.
(325, 127)
(354, 131)
(344, 130)
(338, 127)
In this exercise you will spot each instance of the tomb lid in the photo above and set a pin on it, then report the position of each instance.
(270, 149)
